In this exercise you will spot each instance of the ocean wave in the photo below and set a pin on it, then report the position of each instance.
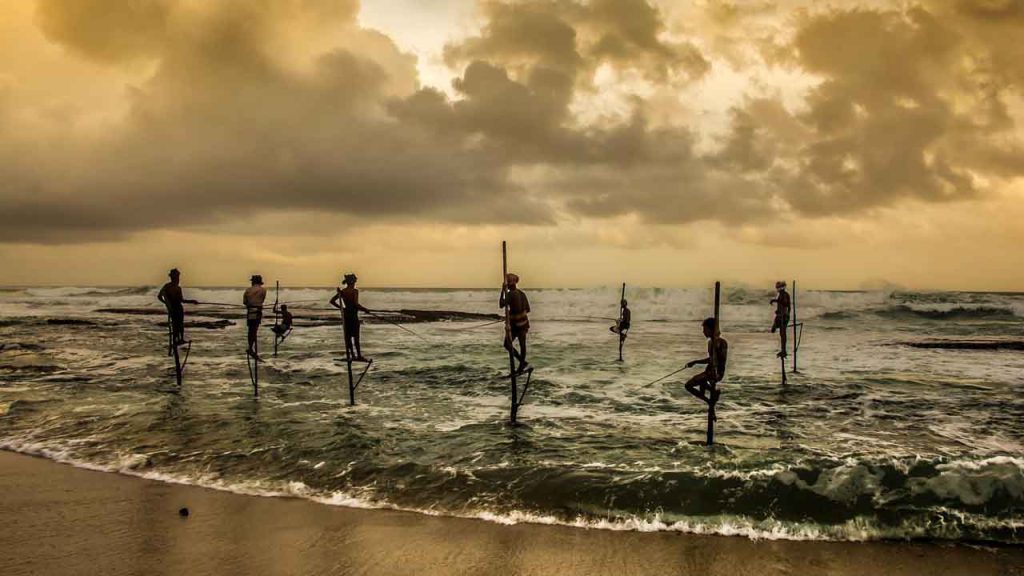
(928, 506)
(951, 313)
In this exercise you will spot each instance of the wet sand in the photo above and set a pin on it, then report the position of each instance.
(57, 519)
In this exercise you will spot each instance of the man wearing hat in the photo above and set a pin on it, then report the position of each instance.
(782, 304)
(347, 300)
(518, 319)
(253, 300)
(171, 297)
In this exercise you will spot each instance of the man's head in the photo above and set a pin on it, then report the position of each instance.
(623, 303)
(284, 307)
(511, 280)
(780, 285)
(350, 279)
(174, 274)
(256, 280)
(709, 325)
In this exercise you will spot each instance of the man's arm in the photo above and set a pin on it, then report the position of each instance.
(501, 299)
(526, 303)
(693, 363)
(335, 298)
(160, 295)
(359, 306)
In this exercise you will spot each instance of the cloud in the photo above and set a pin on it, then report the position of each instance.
(235, 110)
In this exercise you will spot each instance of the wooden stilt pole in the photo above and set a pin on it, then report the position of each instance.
(277, 294)
(177, 365)
(348, 362)
(714, 363)
(513, 412)
(256, 367)
(796, 339)
(621, 339)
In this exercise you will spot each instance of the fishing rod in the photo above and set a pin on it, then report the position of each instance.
(397, 325)
(491, 323)
(666, 376)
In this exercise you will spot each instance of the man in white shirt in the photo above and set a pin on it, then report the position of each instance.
(253, 300)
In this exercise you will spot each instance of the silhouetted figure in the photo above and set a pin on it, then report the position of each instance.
(174, 300)
(622, 325)
(518, 319)
(347, 300)
(782, 306)
(286, 320)
(703, 385)
(253, 300)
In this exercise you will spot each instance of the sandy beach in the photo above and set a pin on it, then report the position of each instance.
(59, 519)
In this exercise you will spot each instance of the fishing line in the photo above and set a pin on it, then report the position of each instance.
(491, 323)
(397, 325)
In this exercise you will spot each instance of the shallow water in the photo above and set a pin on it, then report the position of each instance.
(872, 439)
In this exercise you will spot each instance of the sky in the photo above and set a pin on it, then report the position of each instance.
(847, 145)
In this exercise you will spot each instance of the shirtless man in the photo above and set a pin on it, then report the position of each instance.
(703, 385)
(286, 320)
(171, 297)
(782, 304)
(518, 319)
(347, 300)
(622, 325)
(253, 300)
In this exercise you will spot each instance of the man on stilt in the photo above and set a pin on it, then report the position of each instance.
(704, 385)
(518, 319)
(781, 323)
(281, 330)
(347, 300)
(253, 300)
(622, 325)
(171, 296)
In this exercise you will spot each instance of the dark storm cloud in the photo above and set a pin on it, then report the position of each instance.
(224, 128)
(259, 106)
(905, 109)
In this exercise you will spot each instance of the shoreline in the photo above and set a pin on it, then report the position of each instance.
(61, 519)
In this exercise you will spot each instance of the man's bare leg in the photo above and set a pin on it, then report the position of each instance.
(359, 350)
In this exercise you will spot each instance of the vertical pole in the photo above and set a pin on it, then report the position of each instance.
(794, 326)
(621, 340)
(508, 338)
(177, 365)
(172, 348)
(714, 362)
(348, 358)
(277, 294)
(256, 367)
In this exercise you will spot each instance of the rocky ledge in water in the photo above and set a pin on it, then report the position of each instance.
(320, 317)
(975, 344)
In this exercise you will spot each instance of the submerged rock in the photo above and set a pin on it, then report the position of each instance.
(69, 322)
(967, 344)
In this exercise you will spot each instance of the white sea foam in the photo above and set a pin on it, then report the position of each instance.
(859, 529)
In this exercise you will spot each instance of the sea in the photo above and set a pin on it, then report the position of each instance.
(903, 421)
